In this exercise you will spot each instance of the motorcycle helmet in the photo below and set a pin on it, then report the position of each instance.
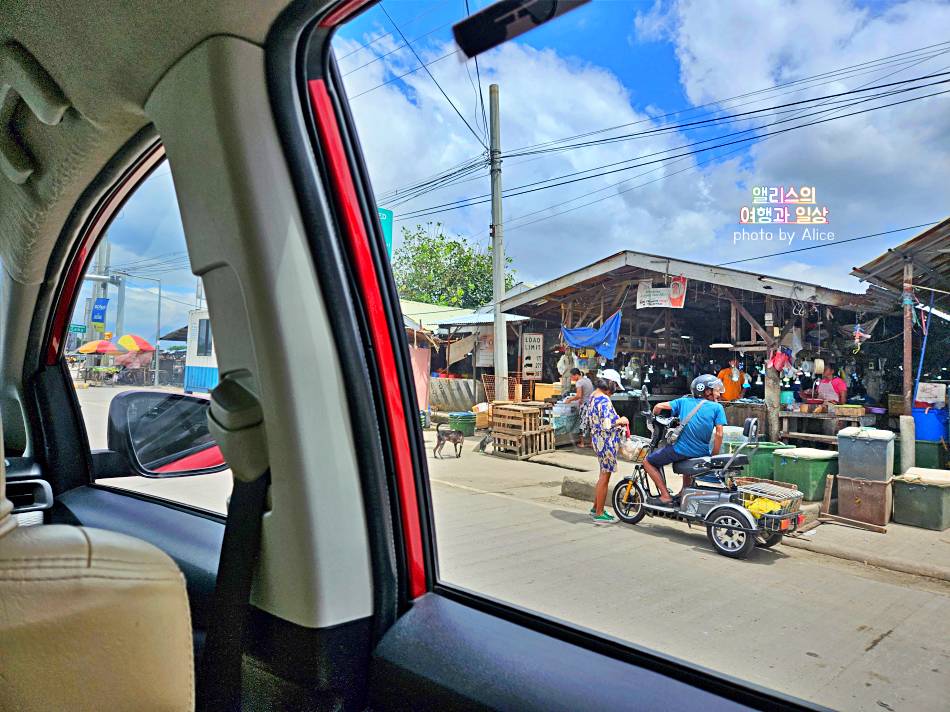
(701, 384)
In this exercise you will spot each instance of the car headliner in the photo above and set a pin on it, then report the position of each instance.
(105, 57)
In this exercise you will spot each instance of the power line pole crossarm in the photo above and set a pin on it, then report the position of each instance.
(498, 248)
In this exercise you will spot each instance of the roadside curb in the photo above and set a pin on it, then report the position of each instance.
(940, 573)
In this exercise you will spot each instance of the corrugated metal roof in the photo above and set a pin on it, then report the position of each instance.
(428, 315)
(478, 319)
(928, 252)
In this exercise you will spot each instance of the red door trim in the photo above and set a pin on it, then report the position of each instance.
(358, 241)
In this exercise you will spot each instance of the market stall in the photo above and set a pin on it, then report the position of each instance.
(668, 320)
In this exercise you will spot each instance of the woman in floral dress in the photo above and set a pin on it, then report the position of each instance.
(604, 425)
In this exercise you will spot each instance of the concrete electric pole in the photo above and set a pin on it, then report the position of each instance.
(498, 248)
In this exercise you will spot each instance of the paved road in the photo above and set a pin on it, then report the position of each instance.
(837, 633)
(841, 634)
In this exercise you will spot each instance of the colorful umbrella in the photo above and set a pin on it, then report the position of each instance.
(132, 342)
(101, 346)
(135, 359)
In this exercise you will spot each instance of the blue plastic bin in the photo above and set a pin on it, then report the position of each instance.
(930, 424)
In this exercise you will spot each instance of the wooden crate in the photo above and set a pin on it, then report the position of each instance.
(546, 439)
(520, 446)
(895, 404)
(516, 418)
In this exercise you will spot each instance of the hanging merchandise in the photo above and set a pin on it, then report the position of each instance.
(603, 340)
(819, 366)
(758, 378)
(779, 360)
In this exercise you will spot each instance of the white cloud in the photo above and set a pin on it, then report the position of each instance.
(874, 171)
(545, 96)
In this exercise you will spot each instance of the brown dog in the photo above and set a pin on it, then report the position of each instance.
(453, 436)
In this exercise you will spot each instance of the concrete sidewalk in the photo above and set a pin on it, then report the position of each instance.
(910, 550)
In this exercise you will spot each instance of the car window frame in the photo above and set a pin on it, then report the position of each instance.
(321, 66)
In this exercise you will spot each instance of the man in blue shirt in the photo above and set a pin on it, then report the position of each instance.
(703, 418)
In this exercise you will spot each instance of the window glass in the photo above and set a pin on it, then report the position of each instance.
(140, 353)
(686, 189)
(204, 337)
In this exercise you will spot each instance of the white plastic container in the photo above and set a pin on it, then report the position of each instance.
(866, 453)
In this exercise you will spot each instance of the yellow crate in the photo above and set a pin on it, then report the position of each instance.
(543, 391)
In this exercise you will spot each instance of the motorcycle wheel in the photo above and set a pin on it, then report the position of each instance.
(766, 540)
(734, 543)
(628, 506)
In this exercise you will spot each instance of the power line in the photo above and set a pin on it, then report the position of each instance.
(397, 48)
(882, 62)
(383, 36)
(889, 59)
(729, 117)
(416, 55)
(663, 177)
(576, 177)
(830, 244)
(406, 74)
(478, 76)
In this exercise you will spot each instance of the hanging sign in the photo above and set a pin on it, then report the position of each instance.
(532, 356)
(485, 347)
(98, 318)
(386, 222)
(672, 297)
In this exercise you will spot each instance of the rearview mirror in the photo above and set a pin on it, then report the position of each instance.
(163, 434)
(505, 20)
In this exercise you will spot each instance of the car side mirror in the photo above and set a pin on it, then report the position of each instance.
(163, 434)
(751, 429)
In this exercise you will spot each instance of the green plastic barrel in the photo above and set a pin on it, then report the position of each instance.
(806, 468)
(760, 460)
(462, 421)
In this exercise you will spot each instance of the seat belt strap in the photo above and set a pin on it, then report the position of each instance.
(219, 682)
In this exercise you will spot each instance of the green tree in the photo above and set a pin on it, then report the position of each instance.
(431, 267)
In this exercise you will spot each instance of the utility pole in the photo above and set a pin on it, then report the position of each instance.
(498, 248)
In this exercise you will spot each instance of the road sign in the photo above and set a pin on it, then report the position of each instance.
(386, 220)
(77, 328)
(532, 356)
(99, 307)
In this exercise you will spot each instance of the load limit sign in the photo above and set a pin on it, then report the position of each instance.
(532, 356)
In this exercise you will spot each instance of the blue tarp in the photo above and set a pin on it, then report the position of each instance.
(602, 340)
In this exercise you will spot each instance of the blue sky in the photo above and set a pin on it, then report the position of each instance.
(609, 63)
(148, 241)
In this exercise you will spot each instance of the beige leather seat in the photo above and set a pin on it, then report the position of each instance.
(90, 620)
